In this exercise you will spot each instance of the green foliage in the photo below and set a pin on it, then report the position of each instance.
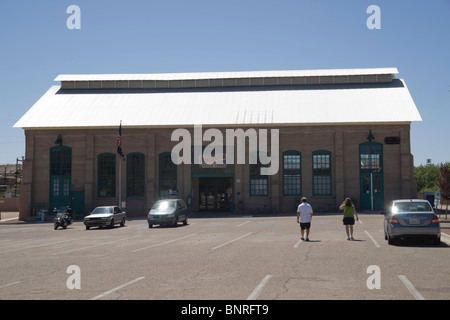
(443, 181)
(426, 177)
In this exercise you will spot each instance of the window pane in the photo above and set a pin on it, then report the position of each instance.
(167, 175)
(292, 174)
(259, 184)
(135, 175)
(371, 158)
(322, 173)
(107, 175)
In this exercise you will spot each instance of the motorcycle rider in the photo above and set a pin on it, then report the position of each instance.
(69, 212)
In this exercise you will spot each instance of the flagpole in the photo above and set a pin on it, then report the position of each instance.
(120, 152)
(120, 183)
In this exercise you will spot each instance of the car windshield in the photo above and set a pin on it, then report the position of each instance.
(164, 205)
(102, 210)
(411, 207)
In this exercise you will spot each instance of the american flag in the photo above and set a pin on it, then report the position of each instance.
(119, 142)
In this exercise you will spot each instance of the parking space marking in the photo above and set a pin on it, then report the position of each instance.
(259, 288)
(371, 238)
(163, 243)
(411, 288)
(115, 289)
(298, 243)
(9, 284)
(231, 241)
(95, 245)
(239, 225)
(39, 245)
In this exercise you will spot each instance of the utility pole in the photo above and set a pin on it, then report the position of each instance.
(17, 173)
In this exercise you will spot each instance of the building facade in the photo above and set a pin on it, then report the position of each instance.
(335, 133)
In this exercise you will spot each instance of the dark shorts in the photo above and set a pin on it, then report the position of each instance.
(305, 225)
(348, 221)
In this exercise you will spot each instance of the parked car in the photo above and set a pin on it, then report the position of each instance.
(411, 218)
(105, 216)
(168, 212)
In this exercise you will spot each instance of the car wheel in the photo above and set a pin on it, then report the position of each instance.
(87, 227)
(111, 225)
(150, 225)
(185, 222)
(122, 223)
(437, 241)
(390, 240)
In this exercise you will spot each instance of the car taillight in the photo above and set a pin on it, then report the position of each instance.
(435, 219)
(393, 219)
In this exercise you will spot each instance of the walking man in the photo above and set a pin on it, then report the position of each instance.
(304, 215)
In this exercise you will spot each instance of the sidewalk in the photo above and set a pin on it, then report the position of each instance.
(9, 216)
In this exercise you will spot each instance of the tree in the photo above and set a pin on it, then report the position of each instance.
(426, 177)
(443, 181)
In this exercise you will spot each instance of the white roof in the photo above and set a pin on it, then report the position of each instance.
(225, 75)
(294, 105)
(388, 102)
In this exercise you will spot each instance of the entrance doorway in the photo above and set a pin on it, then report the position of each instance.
(216, 194)
(372, 196)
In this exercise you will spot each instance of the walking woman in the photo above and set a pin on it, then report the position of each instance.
(349, 217)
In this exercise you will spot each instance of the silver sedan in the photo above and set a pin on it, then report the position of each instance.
(411, 218)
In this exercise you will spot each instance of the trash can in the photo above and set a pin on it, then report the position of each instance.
(430, 198)
(40, 216)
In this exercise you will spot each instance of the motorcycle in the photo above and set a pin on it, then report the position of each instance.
(62, 219)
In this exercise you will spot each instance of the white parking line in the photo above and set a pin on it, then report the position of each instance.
(224, 244)
(9, 284)
(242, 223)
(298, 243)
(115, 289)
(371, 238)
(259, 288)
(40, 245)
(95, 245)
(411, 288)
(160, 244)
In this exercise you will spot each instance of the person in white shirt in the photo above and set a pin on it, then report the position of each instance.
(304, 215)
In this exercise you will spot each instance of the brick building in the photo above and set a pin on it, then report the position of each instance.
(339, 133)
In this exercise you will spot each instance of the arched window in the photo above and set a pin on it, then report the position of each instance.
(106, 175)
(135, 175)
(321, 173)
(167, 175)
(292, 173)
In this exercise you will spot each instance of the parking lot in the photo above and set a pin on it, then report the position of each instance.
(234, 258)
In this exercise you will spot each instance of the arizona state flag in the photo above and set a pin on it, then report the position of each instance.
(119, 142)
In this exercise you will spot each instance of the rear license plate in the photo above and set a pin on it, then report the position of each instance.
(414, 221)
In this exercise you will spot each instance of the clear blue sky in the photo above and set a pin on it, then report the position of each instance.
(146, 36)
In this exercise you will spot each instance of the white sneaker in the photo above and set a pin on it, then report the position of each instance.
(348, 238)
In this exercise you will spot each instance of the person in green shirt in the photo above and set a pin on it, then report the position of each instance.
(349, 217)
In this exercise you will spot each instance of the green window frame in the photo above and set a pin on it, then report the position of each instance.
(61, 161)
(135, 174)
(292, 173)
(60, 176)
(106, 175)
(167, 174)
(258, 183)
(322, 180)
(371, 157)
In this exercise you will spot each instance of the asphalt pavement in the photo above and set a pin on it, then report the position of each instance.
(238, 257)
